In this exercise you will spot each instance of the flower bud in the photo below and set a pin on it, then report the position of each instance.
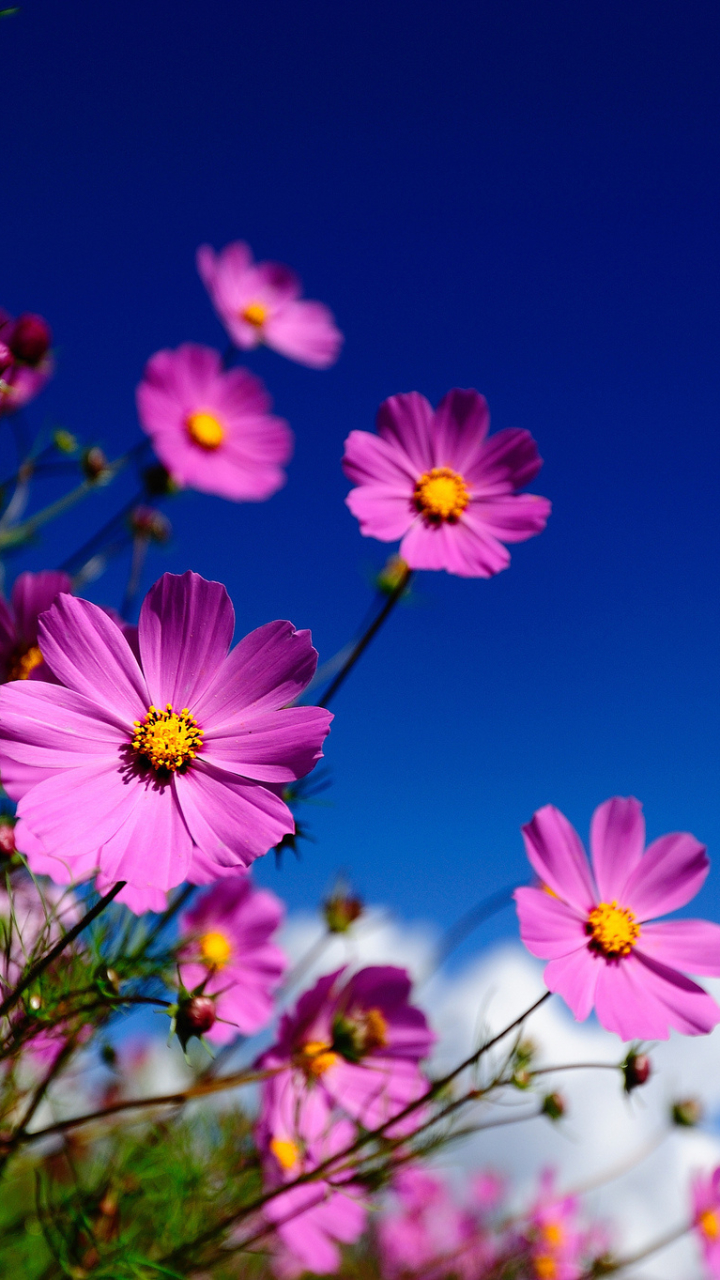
(30, 338)
(195, 1015)
(392, 575)
(553, 1106)
(637, 1070)
(687, 1113)
(64, 441)
(148, 522)
(7, 838)
(95, 464)
(341, 910)
(158, 481)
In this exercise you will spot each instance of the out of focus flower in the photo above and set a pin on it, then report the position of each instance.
(229, 955)
(555, 1243)
(7, 837)
(260, 302)
(354, 1043)
(341, 910)
(140, 772)
(211, 427)
(28, 920)
(25, 360)
(435, 480)
(32, 594)
(425, 1233)
(148, 522)
(705, 1193)
(593, 925)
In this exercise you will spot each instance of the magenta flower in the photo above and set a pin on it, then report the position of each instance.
(593, 925)
(32, 594)
(436, 481)
(356, 1044)
(705, 1191)
(260, 302)
(426, 1233)
(210, 427)
(134, 771)
(229, 951)
(25, 360)
(555, 1243)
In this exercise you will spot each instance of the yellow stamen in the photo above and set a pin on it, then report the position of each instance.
(553, 1233)
(316, 1057)
(545, 1267)
(613, 930)
(216, 949)
(24, 662)
(255, 313)
(376, 1030)
(167, 740)
(285, 1152)
(709, 1224)
(205, 429)
(441, 494)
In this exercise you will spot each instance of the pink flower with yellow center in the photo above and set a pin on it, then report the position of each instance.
(705, 1192)
(154, 771)
(230, 953)
(211, 427)
(260, 303)
(593, 925)
(437, 481)
(32, 594)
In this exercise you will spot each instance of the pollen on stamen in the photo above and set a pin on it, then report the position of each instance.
(441, 494)
(166, 741)
(613, 930)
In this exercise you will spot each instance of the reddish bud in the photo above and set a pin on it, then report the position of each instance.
(30, 339)
(7, 839)
(148, 522)
(636, 1070)
(195, 1015)
(342, 910)
(95, 463)
(687, 1113)
(6, 356)
(554, 1106)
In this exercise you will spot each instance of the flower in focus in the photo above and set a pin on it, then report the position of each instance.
(25, 360)
(210, 427)
(154, 773)
(705, 1192)
(32, 594)
(355, 1044)
(438, 482)
(592, 925)
(260, 303)
(229, 954)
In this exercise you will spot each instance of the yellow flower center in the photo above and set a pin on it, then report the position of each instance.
(376, 1030)
(167, 740)
(441, 494)
(709, 1224)
(205, 429)
(316, 1056)
(23, 662)
(613, 930)
(545, 1267)
(553, 1233)
(215, 948)
(285, 1152)
(255, 313)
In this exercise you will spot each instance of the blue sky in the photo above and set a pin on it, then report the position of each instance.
(517, 197)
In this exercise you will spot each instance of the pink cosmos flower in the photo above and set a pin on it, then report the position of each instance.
(32, 594)
(25, 361)
(705, 1191)
(210, 427)
(356, 1044)
(134, 771)
(425, 1233)
(592, 925)
(229, 951)
(555, 1243)
(438, 482)
(260, 302)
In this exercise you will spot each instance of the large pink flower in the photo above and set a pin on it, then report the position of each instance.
(593, 925)
(705, 1191)
(25, 360)
(211, 427)
(32, 594)
(260, 302)
(427, 1234)
(229, 952)
(437, 481)
(133, 771)
(356, 1044)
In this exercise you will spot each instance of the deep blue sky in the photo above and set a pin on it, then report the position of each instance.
(515, 196)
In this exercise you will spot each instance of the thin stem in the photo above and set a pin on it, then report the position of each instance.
(97, 539)
(362, 644)
(41, 965)
(139, 553)
(619, 1264)
(168, 914)
(470, 921)
(305, 962)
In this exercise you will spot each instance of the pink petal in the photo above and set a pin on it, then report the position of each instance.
(555, 852)
(76, 811)
(406, 421)
(8, 636)
(462, 421)
(513, 517)
(372, 460)
(617, 843)
(672, 870)
(458, 548)
(509, 460)
(692, 946)
(32, 594)
(186, 625)
(306, 332)
(153, 848)
(233, 821)
(139, 900)
(549, 928)
(640, 999)
(88, 653)
(275, 746)
(269, 668)
(45, 728)
(574, 977)
(381, 513)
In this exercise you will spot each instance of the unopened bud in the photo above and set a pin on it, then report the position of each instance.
(687, 1113)
(158, 481)
(637, 1070)
(30, 339)
(65, 441)
(95, 464)
(525, 1052)
(341, 910)
(553, 1106)
(6, 356)
(522, 1079)
(7, 838)
(148, 522)
(108, 1055)
(392, 575)
(195, 1015)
